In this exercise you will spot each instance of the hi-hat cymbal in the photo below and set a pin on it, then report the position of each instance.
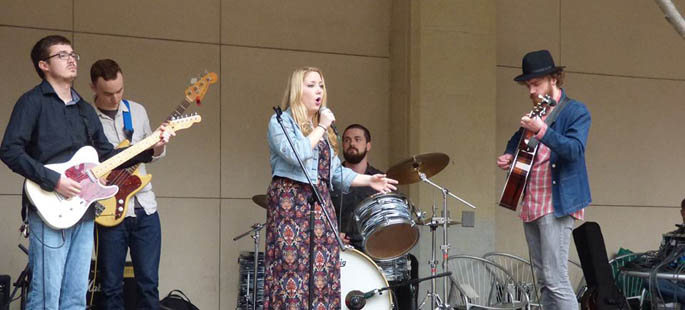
(437, 222)
(260, 200)
(406, 172)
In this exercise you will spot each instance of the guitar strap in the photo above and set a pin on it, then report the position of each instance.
(128, 125)
(89, 129)
(533, 142)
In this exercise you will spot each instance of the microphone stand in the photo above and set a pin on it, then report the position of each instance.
(22, 282)
(356, 300)
(319, 199)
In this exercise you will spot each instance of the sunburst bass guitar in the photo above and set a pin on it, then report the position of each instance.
(129, 180)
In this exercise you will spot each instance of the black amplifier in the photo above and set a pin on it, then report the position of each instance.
(4, 292)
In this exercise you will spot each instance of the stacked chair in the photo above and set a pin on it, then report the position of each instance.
(478, 283)
(521, 271)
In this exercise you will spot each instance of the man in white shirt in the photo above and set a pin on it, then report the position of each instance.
(140, 231)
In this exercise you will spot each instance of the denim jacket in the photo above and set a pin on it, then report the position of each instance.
(566, 138)
(283, 160)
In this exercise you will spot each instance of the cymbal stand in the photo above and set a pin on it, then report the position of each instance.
(255, 236)
(445, 247)
(434, 264)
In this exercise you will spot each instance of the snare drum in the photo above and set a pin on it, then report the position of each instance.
(386, 223)
(358, 272)
(397, 269)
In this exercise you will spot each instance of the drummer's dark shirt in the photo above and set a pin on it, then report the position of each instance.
(349, 203)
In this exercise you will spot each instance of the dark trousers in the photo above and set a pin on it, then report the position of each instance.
(142, 234)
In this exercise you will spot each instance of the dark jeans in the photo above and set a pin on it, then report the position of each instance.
(142, 234)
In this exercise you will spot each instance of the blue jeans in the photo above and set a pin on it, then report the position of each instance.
(59, 262)
(548, 240)
(142, 234)
(671, 291)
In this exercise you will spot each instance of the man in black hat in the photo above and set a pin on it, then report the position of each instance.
(557, 190)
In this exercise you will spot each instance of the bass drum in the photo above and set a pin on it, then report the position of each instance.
(359, 272)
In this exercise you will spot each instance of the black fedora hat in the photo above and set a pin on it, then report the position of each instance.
(537, 64)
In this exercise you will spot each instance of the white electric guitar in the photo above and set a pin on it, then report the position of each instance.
(85, 168)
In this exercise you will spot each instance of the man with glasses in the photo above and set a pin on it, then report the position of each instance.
(49, 123)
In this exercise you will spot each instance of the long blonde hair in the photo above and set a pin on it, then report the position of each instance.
(292, 98)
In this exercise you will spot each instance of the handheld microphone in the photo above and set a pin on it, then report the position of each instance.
(335, 130)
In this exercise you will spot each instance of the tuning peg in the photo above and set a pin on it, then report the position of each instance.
(193, 80)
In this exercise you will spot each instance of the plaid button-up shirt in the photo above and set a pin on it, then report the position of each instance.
(537, 201)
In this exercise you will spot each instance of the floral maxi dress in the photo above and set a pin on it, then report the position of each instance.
(286, 282)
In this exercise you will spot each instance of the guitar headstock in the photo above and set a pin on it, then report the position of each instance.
(184, 122)
(196, 92)
(540, 109)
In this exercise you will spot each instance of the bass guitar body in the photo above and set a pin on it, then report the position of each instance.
(130, 182)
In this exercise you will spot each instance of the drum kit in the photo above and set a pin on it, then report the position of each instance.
(388, 224)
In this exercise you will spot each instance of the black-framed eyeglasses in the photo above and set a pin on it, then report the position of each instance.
(65, 56)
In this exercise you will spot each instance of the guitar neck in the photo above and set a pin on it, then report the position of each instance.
(115, 161)
(137, 148)
(180, 109)
(193, 93)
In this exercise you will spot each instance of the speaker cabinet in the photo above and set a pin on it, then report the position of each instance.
(4, 292)
(130, 288)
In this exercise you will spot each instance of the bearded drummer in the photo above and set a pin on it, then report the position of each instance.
(356, 143)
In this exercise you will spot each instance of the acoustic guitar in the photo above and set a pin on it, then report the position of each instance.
(523, 160)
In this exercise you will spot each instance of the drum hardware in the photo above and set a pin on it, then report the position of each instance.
(260, 200)
(245, 281)
(22, 282)
(255, 236)
(438, 221)
(356, 300)
(445, 247)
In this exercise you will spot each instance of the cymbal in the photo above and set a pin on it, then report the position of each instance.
(260, 200)
(406, 172)
(438, 221)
